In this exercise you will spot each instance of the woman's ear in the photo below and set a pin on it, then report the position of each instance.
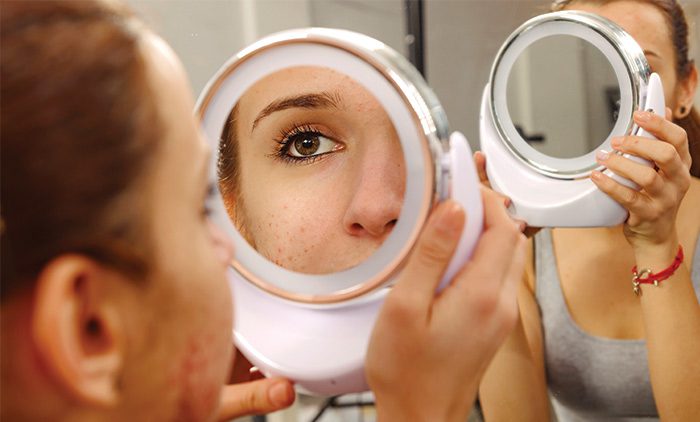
(77, 330)
(685, 94)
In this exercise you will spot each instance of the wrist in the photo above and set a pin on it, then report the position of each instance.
(648, 276)
(390, 408)
(656, 256)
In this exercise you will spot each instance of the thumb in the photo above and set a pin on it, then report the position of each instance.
(255, 397)
(431, 254)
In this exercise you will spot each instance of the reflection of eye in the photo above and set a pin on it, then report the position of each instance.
(309, 143)
(304, 145)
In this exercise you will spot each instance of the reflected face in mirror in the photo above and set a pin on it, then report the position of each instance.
(563, 96)
(311, 170)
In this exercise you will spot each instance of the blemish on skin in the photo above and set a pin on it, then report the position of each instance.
(197, 395)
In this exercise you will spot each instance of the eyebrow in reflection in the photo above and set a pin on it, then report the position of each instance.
(313, 100)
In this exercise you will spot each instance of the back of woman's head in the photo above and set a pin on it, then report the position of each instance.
(77, 131)
(678, 29)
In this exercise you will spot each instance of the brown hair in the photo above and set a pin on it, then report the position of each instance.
(77, 131)
(678, 28)
(228, 171)
(227, 162)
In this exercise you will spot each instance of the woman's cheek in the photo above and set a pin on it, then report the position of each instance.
(201, 374)
(298, 236)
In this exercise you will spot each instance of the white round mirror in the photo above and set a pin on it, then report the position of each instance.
(562, 85)
(330, 152)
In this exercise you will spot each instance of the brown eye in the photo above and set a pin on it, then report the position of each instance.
(309, 144)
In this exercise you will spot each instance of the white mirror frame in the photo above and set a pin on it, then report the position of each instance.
(623, 53)
(412, 108)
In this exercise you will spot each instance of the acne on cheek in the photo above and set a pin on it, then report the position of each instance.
(293, 237)
(200, 376)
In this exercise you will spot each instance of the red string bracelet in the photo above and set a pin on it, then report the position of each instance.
(645, 276)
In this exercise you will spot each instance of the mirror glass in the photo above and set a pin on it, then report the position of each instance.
(563, 96)
(311, 170)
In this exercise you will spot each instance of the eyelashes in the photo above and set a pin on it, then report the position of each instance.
(303, 144)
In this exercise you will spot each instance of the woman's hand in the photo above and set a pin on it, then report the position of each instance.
(427, 351)
(250, 393)
(480, 163)
(653, 209)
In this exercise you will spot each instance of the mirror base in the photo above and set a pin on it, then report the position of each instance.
(539, 200)
(321, 349)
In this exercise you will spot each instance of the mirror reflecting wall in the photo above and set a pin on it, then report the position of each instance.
(563, 96)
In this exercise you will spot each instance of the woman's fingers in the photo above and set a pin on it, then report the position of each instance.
(663, 154)
(485, 288)
(429, 260)
(646, 177)
(255, 397)
(666, 131)
(480, 163)
(632, 200)
(493, 254)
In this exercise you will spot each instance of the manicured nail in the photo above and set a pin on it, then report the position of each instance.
(602, 155)
(616, 141)
(596, 175)
(507, 202)
(279, 394)
(642, 116)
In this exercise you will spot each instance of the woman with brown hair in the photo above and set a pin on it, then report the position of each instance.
(605, 348)
(115, 303)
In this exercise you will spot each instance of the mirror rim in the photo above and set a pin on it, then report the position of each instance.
(637, 75)
(429, 121)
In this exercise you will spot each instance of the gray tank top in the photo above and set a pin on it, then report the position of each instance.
(589, 377)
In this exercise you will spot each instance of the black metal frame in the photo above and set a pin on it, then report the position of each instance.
(415, 34)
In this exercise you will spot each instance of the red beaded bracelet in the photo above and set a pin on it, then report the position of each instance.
(645, 276)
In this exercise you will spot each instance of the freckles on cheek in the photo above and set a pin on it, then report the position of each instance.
(199, 377)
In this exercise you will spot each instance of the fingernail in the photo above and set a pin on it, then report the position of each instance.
(642, 116)
(507, 202)
(596, 175)
(602, 155)
(616, 141)
(448, 221)
(521, 225)
(279, 394)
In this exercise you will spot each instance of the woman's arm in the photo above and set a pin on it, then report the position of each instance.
(671, 313)
(514, 385)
